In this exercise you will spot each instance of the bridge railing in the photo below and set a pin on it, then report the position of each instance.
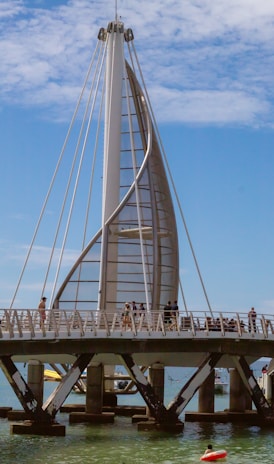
(22, 323)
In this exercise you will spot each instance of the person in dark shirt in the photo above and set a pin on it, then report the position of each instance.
(167, 313)
(252, 320)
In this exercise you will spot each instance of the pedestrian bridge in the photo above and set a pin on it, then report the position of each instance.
(182, 340)
(96, 338)
(26, 324)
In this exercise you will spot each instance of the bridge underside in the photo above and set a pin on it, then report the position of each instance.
(173, 359)
(181, 352)
(205, 362)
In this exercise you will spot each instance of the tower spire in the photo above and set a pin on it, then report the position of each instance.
(116, 11)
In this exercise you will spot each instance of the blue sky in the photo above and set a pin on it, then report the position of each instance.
(209, 69)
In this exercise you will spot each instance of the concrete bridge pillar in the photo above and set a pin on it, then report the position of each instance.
(95, 388)
(238, 393)
(94, 398)
(36, 380)
(248, 400)
(156, 377)
(271, 387)
(206, 394)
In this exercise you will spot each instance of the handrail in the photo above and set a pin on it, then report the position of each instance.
(23, 323)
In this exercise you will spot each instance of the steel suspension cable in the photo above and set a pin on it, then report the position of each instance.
(94, 157)
(133, 154)
(93, 167)
(173, 185)
(52, 182)
(89, 108)
(68, 184)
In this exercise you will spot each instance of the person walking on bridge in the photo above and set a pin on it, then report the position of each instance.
(42, 310)
(167, 313)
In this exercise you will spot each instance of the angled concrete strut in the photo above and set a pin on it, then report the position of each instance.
(155, 405)
(59, 395)
(23, 391)
(263, 407)
(194, 383)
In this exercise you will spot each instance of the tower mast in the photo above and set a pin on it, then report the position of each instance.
(112, 149)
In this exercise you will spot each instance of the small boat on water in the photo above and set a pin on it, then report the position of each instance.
(120, 384)
(221, 385)
(55, 375)
(51, 375)
(120, 380)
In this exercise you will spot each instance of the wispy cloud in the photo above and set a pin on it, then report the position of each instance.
(38, 257)
(203, 61)
(13, 258)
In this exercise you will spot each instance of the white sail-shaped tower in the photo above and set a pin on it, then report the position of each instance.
(134, 256)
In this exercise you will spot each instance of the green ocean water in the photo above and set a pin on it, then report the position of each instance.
(122, 443)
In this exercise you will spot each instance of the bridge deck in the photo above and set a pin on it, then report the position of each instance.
(147, 336)
(27, 324)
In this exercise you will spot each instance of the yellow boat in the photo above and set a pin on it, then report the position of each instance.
(51, 375)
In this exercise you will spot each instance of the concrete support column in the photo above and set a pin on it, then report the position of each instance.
(248, 400)
(237, 395)
(206, 394)
(36, 380)
(268, 388)
(271, 399)
(156, 377)
(95, 388)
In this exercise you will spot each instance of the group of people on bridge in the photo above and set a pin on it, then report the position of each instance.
(172, 319)
(134, 310)
(171, 312)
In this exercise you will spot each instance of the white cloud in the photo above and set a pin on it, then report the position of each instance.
(203, 61)
(220, 107)
(10, 8)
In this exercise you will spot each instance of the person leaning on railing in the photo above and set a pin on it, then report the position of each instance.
(242, 325)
